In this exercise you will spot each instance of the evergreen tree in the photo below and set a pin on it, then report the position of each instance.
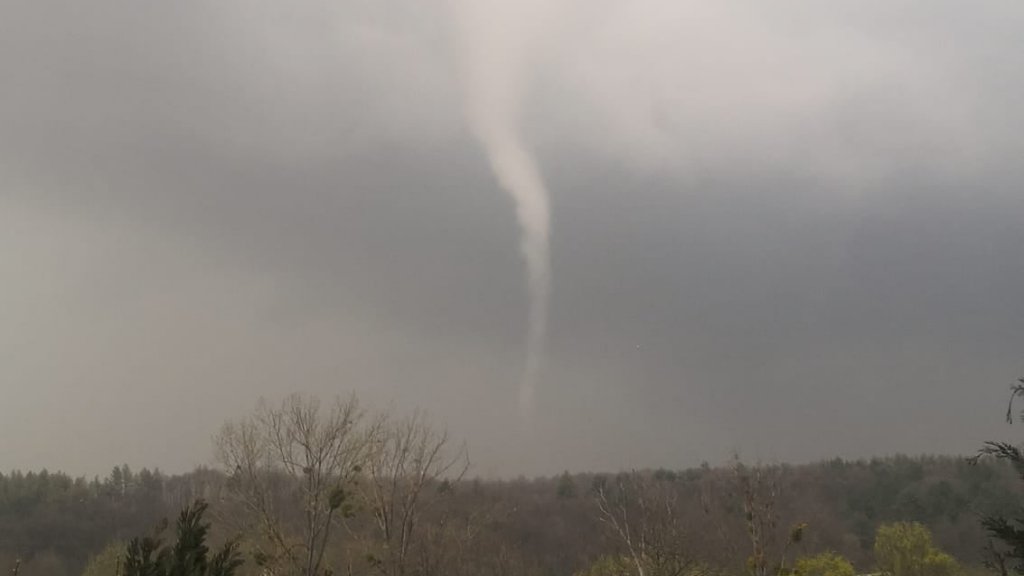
(1006, 549)
(566, 489)
(189, 556)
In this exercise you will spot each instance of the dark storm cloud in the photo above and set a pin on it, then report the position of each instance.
(791, 234)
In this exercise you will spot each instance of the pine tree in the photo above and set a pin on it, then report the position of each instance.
(1005, 551)
(189, 556)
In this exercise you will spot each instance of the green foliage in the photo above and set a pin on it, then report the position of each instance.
(189, 556)
(906, 549)
(824, 564)
(108, 562)
(566, 487)
(609, 566)
(50, 518)
(941, 564)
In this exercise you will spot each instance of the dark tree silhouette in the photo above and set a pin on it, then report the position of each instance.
(1005, 550)
(189, 556)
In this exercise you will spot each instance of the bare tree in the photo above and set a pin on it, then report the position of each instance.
(643, 514)
(292, 467)
(758, 490)
(454, 542)
(411, 467)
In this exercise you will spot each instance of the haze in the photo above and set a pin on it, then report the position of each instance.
(791, 231)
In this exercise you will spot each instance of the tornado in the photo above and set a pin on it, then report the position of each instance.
(493, 50)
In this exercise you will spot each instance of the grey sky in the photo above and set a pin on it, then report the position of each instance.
(791, 231)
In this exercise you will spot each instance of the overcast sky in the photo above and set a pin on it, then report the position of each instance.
(788, 230)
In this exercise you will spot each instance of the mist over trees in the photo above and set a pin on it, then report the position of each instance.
(307, 487)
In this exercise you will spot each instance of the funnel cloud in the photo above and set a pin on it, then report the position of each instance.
(494, 52)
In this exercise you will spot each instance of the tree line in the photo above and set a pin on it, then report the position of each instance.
(317, 489)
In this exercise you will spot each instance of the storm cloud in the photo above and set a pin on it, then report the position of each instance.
(788, 231)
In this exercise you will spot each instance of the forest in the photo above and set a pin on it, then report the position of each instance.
(314, 488)
(511, 288)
